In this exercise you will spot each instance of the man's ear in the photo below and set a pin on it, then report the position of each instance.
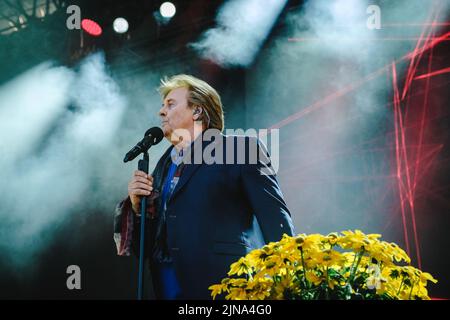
(196, 115)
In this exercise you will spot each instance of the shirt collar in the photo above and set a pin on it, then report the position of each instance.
(177, 156)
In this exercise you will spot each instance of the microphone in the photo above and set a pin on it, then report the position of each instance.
(152, 136)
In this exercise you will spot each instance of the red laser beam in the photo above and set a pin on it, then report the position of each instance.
(387, 105)
(421, 133)
(303, 39)
(432, 155)
(351, 87)
(397, 154)
(432, 24)
(409, 190)
(418, 155)
(415, 63)
(431, 150)
(432, 74)
(430, 45)
(327, 99)
(422, 122)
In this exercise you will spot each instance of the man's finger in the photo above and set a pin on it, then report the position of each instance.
(140, 192)
(140, 185)
(141, 179)
(139, 173)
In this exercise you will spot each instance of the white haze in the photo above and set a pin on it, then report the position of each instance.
(55, 160)
(242, 27)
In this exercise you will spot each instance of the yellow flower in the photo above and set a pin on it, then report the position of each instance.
(259, 293)
(217, 289)
(312, 242)
(286, 282)
(300, 238)
(312, 277)
(280, 269)
(349, 258)
(270, 268)
(333, 238)
(373, 236)
(410, 272)
(398, 253)
(332, 283)
(256, 258)
(421, 292)
(380, 251)
(310, 261)
(289, 244)
(425, 276)
(327, 258)
(239, 267)
(354, 240)
(237, 294)
(364, 263)
(388, 287)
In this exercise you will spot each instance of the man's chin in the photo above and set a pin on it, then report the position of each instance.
(165, 130)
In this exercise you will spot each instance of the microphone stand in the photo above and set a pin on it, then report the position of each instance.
(151, 137)
(143, 166)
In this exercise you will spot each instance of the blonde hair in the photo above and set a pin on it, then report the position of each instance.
(200, 94)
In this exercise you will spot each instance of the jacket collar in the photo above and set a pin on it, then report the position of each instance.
(190, 167)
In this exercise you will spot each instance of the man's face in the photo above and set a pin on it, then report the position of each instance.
(175, 112)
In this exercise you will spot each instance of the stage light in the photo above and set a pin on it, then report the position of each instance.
(167, 10)
(120, 25)
(91, 27)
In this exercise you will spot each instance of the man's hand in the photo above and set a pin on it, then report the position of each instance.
(141, 184)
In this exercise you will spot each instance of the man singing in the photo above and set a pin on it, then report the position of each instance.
(201, 215)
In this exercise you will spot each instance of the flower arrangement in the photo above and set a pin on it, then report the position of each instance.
(349, 265)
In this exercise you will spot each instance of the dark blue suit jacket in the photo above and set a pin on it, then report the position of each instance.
(218, 213)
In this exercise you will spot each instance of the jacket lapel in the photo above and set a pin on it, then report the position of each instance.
(186, 174)
(188, 170)
(158, 173)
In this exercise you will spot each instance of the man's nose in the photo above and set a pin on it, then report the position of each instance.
(162, 111)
